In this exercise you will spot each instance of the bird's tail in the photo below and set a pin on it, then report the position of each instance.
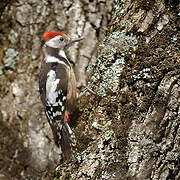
(67, 140)
(64, 138)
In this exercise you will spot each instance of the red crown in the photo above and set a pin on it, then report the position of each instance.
(51, 34)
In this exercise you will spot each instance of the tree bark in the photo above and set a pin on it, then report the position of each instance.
(27, 148)
(130, 128)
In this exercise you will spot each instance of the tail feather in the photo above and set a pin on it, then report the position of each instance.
(64, 138)
(67, 141)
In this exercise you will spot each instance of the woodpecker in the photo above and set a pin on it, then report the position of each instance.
(57, 86)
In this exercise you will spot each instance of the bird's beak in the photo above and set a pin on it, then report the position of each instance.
(75, 40)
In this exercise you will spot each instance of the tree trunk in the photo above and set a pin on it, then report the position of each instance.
(130, 128)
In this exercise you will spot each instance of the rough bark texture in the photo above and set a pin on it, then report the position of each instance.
(130, 129)
(26, 146)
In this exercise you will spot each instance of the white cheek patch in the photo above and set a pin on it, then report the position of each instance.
(51, 86)
(54, 42)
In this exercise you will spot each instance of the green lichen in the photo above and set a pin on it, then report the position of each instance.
(111, 61)
(11, 58)
(13, 36)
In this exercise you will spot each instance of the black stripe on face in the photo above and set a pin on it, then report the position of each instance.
(54, 52)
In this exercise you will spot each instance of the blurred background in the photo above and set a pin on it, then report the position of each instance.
(26, 146)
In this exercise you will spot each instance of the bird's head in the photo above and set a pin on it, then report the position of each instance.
(59, 40)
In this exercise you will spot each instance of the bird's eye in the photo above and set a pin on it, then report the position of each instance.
(61, 39)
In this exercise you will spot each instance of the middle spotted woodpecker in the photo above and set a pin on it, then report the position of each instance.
(57, 85)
